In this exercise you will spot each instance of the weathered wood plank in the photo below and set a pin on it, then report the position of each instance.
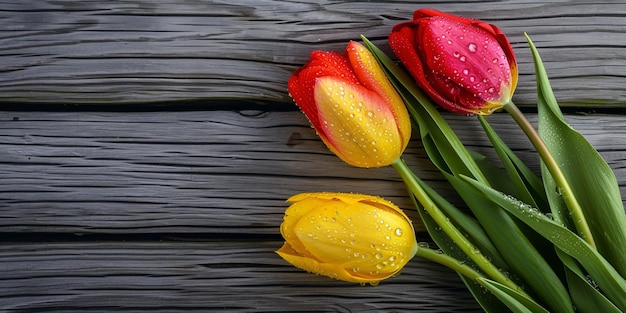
(204, 276)
(208, 171)
(139, 51)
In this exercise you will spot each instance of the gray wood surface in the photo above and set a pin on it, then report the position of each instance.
(207, 276)
(139, 51)
(179, 211)
(206, 171)
(168, 195)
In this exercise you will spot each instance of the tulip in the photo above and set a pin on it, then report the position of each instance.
(466, 66)
(352, 106)
(350, 237)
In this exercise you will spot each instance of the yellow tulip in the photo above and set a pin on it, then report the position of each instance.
(350, 237)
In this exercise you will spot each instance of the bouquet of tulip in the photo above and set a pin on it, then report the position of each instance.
(554, 242)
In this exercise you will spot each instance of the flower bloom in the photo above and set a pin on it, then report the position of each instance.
(350, 237)
(464, 65)
(352, 106)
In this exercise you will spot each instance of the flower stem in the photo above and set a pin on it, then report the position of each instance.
(413, 184)
(449, 262)
(553, 167)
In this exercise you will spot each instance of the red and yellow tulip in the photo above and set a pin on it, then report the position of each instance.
(352, 106)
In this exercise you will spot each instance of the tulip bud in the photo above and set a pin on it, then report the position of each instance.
(350, 237)
(464, 65)
(352, 106)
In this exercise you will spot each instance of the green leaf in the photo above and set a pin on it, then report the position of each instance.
(515, 247)
(600, 270)
(528, 187)
(467, 224)
(591, 179)
(515, 301)
(586, 298)
(486, 300)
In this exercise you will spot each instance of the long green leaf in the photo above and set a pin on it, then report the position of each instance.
(585, 296)
(591, 179)
(528, 186)
(521, 255)
(467, 224)
(600, 270)
(487, 301)
(511, 298)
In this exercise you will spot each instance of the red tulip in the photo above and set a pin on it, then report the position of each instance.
(353, 106)
(464, 65)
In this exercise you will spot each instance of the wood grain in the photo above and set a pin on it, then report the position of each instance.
(219, 172)
(140, 51)
(216, 276)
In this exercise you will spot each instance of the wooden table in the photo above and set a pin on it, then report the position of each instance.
(147, 147)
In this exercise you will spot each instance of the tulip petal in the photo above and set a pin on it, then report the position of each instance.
(356, 123)
(364, 235)
(402, 41)
(301, 84)
(351, 237)
(326, 269)
(372, 76)
(468, 58)
(465, 65)
(292, 215)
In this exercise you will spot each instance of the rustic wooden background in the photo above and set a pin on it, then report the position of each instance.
(147, 147)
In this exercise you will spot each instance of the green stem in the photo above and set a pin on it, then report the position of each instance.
(555, 170)
(449, 262)
(411, 181)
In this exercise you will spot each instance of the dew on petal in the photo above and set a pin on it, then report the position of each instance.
(472, 47)
(399, 232)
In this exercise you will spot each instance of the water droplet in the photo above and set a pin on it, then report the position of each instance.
(379, 255)
(472, 47)
(399, 231)
(465, 71)
(558, 190)
(456, 54)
